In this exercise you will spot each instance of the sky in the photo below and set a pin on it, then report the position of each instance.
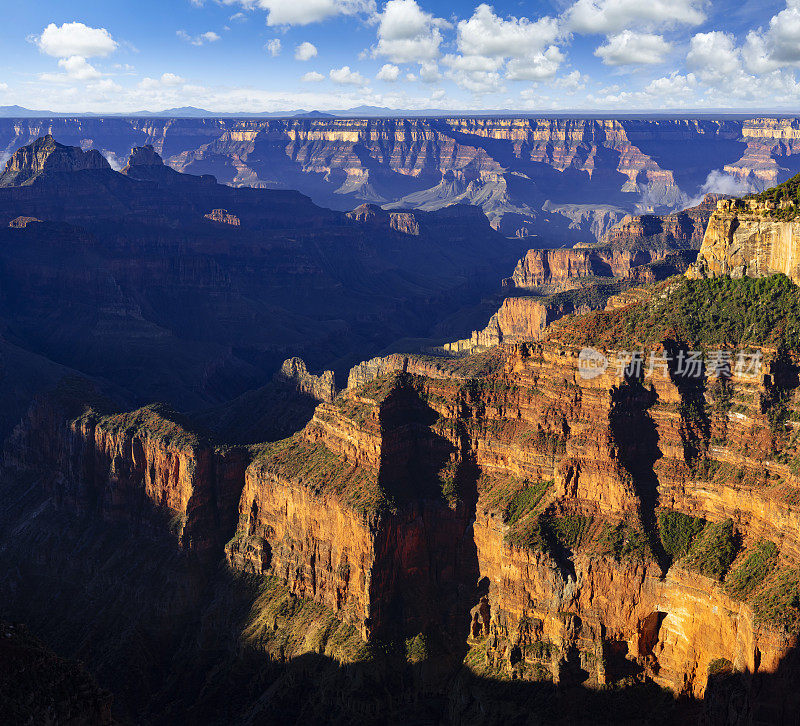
(276, 55)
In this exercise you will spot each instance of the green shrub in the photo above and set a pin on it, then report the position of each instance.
(525, 501)
(570, 529)
(705, 314)
(719, 666)
(625, 542)
(678, 531)
(753, 570)
(713, 550)
(778, 604)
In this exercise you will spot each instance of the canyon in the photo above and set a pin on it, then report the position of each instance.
(252, 472)
(501, 500)
(565, 179)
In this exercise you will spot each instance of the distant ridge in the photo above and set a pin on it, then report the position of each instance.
(385, 112)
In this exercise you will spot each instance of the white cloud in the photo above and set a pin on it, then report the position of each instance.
(273, 47)
(487, 34)
(238, 18)
(207, 37)
(713, 55)
(79, 68)
(572, 82)
(613, 16)
(673, 86)
(429, 72)
(167, 80)
(303, 12)
(312, 77)
(406, 33)
(3, 86)
(345, 76)
(305, 51)
(171, 79)
(630, 48)
(486, 41)
(719, 182)
(389, 73)
(778, 45)
(105, 86)
(75, 39)
(537, 67)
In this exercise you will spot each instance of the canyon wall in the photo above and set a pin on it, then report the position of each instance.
(146, 467)
(524, 173)
(502, 500)
(746, 238)
(604, 452)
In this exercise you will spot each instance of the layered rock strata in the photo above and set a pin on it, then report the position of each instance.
(744, 238)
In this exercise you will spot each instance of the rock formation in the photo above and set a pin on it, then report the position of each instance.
(526, 174)
(320, 388)
(47, 156)
(223, 216)
(745, 238)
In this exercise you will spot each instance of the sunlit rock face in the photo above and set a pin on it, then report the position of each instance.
(745, 238)
(565, 179)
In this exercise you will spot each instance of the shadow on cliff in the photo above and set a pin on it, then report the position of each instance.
(178, 641)
(635, 435)
(425, 580)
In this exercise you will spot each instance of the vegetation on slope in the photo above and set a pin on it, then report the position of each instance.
(713, 551)
(710, 313)
(322, 471)
(788, 191)
(751, 572)
(678, 531)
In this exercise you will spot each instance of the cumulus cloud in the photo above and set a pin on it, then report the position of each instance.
(208, 37)
(613, 16)
(486, 42)
(389, 73)
(429, 72)
(312, 77)
(537, 67)
(273, 47)
(713, 55)
(104, 86)
(305, 51)
(3, 86)
(674, 85)
(167, 80)
(304, 12)
(79, 68)
(75, 39)
(572, 82)
(631, 48)
(406, 33)
(776, 46)
(489, 35)
(345, 76)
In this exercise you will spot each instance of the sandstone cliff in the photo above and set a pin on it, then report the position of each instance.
(745, 238)
(526, 174)
(46, 156)
(551, 455)
(146, 467)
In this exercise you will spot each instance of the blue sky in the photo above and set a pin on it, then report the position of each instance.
(271, 55)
